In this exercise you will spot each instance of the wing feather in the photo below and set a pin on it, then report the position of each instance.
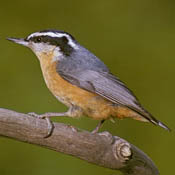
(103, 83)
(107, 86)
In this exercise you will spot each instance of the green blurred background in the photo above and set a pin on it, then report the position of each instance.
(136, 39)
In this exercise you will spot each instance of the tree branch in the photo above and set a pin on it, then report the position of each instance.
(102, 149)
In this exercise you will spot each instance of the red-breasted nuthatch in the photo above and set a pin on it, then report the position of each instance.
(77, 78)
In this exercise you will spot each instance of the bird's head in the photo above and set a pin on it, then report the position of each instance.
(59, 44)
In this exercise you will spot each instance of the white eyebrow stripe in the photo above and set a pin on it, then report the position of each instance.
(51, 34)
(58, 35)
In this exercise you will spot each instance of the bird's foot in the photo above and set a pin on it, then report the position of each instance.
(50, 125)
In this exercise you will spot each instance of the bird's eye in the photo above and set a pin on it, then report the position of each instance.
(38, 39)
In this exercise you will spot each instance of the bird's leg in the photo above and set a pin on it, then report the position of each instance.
(98, 127)
(48, 114)
(73, 111)
(47, 117)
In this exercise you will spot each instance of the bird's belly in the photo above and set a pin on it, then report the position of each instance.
(91, 104)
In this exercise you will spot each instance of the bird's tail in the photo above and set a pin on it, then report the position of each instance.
(157, 122)
(147, 117)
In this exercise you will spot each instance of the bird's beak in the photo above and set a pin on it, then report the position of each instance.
(21, 41)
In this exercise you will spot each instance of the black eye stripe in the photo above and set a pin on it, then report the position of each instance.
(61, 42)
(50, 40)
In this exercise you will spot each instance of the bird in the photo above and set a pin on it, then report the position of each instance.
(81, 81)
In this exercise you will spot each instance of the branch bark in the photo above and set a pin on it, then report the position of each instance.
(101, 149)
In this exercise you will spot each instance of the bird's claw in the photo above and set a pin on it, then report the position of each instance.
(95, 131)
(49, 123)
(50, 127)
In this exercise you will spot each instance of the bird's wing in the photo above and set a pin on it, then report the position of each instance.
(109, 87)
(106, 85)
